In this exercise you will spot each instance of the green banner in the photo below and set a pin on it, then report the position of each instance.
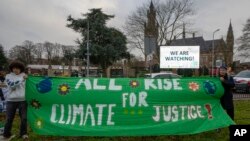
(124, 106)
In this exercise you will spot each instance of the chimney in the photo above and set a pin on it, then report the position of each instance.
(193, 35)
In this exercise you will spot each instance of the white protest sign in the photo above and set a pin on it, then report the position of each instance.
(180, 57)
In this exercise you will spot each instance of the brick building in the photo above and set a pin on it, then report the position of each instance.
(222, 50)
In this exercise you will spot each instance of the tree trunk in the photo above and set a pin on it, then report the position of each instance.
(145, 60)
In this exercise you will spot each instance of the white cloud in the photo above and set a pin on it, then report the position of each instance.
(41, 20)
(214, 14)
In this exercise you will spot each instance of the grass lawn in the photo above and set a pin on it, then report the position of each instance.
(242, 116)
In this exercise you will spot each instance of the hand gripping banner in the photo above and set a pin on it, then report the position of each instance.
(124, 106)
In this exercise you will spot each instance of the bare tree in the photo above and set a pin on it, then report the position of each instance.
(57, 52)
(38, 51)
(48, 48)
(53, 52)
(68, 54)
(170, 16)
(134, 28)
(244, 42)
(29, 46)
(13, 53)
(23, 52)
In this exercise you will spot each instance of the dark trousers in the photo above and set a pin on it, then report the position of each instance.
(230, 112)
(10, 115)
(1, 95)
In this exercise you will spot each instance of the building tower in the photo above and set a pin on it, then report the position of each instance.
(230, 45)
(151, 36)
(151, 31)
(151, 27)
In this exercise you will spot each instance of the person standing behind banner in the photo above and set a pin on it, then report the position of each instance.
(228, 85)
(2, 88)
(2, 78)
(15, 98)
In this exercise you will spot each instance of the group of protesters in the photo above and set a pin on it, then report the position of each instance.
(14, 82)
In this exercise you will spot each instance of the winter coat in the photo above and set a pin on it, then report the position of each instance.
(16, 87)
(227, 98)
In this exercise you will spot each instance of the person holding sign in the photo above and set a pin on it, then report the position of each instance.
(15, 98)
(227, 98)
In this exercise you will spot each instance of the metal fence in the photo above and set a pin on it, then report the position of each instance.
(237, 96)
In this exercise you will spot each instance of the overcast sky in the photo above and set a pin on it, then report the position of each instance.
(45, 20)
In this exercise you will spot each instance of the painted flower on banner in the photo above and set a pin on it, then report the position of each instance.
(210, 87)
(193, 86)
(134, 83)
(44, 85)
(35, 104)
(39, 123)
(64, 89)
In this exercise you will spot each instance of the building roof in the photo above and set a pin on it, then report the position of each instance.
(209, 43)
(190, 42)
(196, 41)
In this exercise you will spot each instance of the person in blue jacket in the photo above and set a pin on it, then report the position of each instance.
(227, 98)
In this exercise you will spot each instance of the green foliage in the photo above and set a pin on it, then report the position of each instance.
(3, 59)
(107, 45)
